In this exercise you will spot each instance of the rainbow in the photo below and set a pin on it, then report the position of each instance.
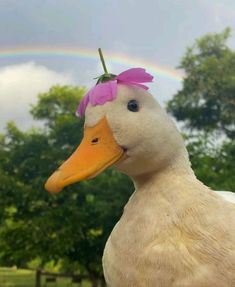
(116, 58)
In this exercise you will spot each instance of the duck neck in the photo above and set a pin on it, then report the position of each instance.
(178, 171)
(160, 200)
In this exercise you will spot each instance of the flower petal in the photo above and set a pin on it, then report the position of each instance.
(103, 93)
(135, 75)
(98, 95)
(82, 106)
(134, 84)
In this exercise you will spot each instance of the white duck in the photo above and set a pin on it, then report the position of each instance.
(174, 231)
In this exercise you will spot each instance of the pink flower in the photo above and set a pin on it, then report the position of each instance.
(107, 91)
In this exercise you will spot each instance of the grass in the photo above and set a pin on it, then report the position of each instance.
(11, 277)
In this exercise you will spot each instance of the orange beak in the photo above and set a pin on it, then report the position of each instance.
(97, 151)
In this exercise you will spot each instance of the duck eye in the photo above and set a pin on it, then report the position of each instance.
(133, 106)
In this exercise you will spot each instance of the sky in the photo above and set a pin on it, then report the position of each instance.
(49, 42)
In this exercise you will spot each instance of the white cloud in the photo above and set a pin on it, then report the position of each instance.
(19, 86)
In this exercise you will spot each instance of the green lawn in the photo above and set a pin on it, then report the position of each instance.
(10, 277)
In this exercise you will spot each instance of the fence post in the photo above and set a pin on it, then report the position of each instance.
(38, 278)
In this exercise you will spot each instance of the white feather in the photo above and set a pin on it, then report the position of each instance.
(227, 195)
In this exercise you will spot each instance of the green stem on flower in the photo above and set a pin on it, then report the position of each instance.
(102, 61)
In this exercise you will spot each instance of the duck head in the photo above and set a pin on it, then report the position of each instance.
(124, 128)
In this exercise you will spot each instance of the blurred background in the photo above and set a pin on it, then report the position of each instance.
(48, 60)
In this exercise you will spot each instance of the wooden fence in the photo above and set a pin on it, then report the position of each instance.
(51, 277)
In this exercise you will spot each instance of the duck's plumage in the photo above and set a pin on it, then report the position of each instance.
(174, 231)
(227, 195)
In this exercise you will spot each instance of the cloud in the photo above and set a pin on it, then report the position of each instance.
(19, 86)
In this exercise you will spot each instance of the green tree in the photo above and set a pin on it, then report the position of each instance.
(206, 107)
(213, 164)
(71, 228)
(207, 102)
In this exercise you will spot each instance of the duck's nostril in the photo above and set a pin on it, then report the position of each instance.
(124, 148)
(95, 140)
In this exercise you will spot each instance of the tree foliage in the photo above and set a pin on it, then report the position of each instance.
(206, 106)
(206, 102)
(213, 164)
